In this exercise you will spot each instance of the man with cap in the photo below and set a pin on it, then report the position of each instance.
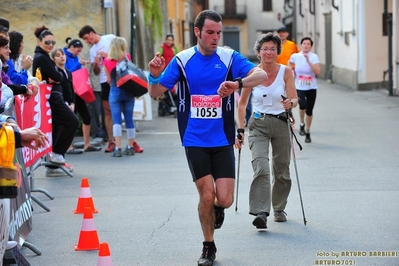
(288, 47)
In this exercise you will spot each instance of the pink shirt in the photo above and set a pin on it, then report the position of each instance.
(111, 64)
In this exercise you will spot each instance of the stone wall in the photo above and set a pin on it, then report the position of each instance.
(63, 18)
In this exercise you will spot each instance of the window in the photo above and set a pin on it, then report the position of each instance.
(267, 5)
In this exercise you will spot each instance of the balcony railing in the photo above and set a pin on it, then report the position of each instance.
(231, 12)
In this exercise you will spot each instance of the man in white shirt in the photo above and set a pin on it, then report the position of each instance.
(99, 51)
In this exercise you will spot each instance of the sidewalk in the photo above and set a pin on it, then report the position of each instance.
(147, 203)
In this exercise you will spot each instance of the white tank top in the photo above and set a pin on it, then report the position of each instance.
(267, 99)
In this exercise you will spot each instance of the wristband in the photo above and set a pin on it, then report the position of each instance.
(240, 130)
(152, 80)
(239, 83)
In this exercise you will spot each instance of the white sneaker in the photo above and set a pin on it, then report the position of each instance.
(50, 172)
(56, 158)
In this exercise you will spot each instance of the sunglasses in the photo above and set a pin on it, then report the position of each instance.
(49, 42)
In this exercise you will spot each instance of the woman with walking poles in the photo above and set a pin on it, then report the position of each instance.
(268, 126)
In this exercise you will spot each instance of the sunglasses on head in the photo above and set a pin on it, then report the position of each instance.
(49, 42)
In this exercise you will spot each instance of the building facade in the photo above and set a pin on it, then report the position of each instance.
(351, 40)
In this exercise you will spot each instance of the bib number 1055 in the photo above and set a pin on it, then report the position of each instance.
(206, 112)
(206, 106)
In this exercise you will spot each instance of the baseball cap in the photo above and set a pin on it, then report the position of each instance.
(282, 29)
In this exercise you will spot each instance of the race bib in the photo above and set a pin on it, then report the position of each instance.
(305, 80)
(206, 106)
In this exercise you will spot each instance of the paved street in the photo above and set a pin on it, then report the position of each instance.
(147, 203)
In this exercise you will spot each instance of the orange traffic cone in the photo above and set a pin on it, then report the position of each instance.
(85, 199)
(88, 239)
(104, 256)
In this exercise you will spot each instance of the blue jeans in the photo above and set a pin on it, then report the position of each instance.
(121, 101)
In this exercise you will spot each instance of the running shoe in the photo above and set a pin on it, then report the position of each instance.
(307, 138)
(219, 216)
(260, 221)
(280, 216)
(302, 129)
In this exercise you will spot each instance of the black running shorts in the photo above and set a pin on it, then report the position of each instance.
(218, 161)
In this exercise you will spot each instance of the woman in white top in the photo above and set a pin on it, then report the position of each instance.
(268, 125)
(307, 67)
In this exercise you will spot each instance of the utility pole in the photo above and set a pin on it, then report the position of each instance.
(133, 31)
(388, 18)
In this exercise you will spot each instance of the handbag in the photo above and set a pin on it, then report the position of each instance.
(82, 85)
(130, 78)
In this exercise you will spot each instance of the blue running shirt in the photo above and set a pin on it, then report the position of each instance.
(204, 119)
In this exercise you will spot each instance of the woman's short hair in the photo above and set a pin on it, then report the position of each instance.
(268, 37)
(307, 38)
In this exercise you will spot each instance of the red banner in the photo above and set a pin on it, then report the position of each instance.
(35, 113)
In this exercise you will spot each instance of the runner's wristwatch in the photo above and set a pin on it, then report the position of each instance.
(239, 82)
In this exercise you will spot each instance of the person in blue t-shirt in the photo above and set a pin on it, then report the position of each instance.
(207, 75)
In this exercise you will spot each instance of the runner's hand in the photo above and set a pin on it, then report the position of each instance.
(227, 88)
(157, 65)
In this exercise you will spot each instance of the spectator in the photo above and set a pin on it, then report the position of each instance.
(120, 100)
(6, 96)
(99, 51)
(65, 122)
(168, 50)
(4, 56)
(19, 64)
(72, 64)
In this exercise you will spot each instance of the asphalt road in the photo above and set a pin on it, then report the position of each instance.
(147, 203)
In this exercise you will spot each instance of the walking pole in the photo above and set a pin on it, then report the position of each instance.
(293, 153)
(238, 169)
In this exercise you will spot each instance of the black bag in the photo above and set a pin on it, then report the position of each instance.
(130, 78)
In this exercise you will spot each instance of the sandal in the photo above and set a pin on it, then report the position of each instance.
(74, 151)
(92, 148)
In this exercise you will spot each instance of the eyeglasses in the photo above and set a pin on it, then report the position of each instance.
(267, 49)
(49, 42)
